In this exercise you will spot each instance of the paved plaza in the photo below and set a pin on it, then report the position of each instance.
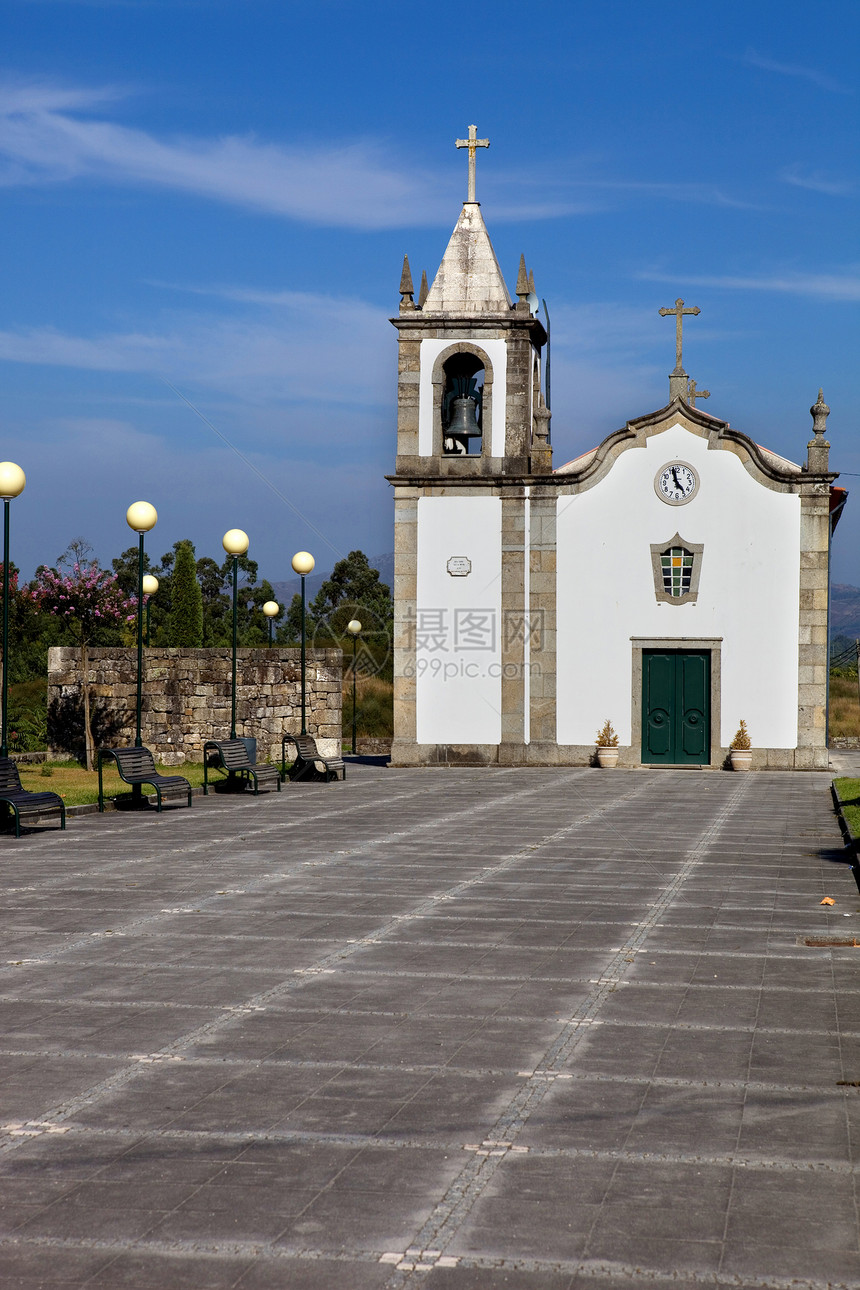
(454, 1029)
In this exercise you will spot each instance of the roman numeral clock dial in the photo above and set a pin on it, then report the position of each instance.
(676, 483)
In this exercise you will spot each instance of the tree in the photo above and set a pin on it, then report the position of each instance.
(90, 604)
(186, 614)
(353, 585)
(353, 590)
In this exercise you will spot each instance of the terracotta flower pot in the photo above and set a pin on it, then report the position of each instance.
(741, 758)
(607, 756)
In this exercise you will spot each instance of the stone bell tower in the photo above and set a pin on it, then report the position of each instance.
(472, 441)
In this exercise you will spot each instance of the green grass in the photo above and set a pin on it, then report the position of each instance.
(374, 717)
(849, 796)
(77, 786)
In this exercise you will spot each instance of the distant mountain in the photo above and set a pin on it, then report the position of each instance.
(285, 591)
(845, 610)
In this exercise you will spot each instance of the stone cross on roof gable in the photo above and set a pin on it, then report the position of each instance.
(472, 143)
(679, 312)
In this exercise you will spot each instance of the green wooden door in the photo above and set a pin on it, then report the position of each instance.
(676, 716)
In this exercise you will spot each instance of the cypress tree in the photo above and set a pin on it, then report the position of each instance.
(186, 613)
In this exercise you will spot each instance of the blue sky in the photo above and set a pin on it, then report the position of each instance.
(207, 203)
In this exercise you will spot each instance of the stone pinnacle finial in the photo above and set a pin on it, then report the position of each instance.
(423, 290)
(406, 288)
(819, 413)
(522, 288)
(818, 449)
(532, 283)
(541, 453)
(522, 278)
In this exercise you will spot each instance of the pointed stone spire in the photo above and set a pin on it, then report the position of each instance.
(469, 280)
(818, 449)
(423, 290)
(532, 283)
(522, 286)
(406, 288)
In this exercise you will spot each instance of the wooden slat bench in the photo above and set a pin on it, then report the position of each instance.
(309, 761)
(231, 756)
(137, 767)
(23, 802)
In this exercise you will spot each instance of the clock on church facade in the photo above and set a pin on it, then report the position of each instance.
(674, 578)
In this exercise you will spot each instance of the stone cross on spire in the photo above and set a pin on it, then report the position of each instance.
(472, 143)
(678, 378)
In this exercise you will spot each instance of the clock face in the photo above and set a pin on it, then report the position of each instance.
(676, 483)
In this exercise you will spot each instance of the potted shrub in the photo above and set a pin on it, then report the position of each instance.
(739, 749)
(607, 746)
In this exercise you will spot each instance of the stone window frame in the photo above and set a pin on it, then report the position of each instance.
(438, 386)
(659, 549)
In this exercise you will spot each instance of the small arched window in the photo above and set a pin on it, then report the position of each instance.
(676, 566)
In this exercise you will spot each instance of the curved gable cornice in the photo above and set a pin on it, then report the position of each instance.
(761, 464)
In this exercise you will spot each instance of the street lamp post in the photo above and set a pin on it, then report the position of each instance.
(150, 586)
(235, 543)
(12, 481)
(271, 609)
(354, 628)
(303, 564)
(140, 517)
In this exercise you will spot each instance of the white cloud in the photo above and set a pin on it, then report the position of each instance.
(812, 74)
(51, 134)
(603, 329)
(705, 194)
(48, 135)
(844, 285)
(316, 349)
(45, 138)
(817, 181)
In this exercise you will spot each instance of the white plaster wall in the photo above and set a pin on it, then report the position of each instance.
(496, 351)
(459, 688)
(748, 591)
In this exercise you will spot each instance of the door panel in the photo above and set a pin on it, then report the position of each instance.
(693, 710)
(661, 691)
(676, 707)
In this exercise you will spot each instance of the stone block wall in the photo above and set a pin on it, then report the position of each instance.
(187, 698)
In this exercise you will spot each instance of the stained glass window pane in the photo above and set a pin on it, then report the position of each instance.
(677, 567)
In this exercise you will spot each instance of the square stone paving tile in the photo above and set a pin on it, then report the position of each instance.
(705, 1055)
(153, 1271)
(553, 1229)
(357, 1219)
(496, 1278)
(298, 1274)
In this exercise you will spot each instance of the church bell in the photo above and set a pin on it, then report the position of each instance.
(463, 423)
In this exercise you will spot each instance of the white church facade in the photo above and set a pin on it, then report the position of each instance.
(673, 580)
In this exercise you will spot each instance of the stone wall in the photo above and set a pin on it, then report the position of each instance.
(187, 699)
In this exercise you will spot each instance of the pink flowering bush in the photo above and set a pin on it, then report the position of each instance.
(86, 599)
